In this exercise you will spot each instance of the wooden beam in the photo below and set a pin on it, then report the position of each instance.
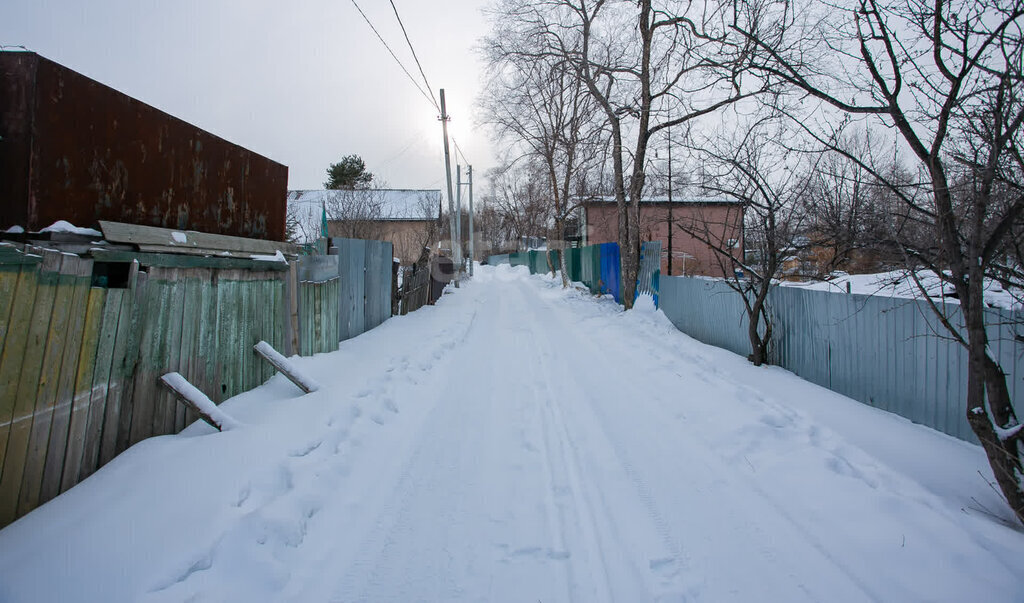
(175, 260)
(136, 234)
(279, 362)
(199, 402)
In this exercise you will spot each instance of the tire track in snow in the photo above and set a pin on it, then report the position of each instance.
(591, 363)
(660, 565)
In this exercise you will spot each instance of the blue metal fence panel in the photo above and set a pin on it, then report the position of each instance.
(707, 310)
(890, 353)
(611, 270)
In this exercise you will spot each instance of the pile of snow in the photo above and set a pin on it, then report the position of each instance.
(519, 441)
(15, 230)
(644, 303)
(277, 257)
(68, 227)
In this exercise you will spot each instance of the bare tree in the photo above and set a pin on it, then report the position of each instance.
(649, 66)
(946, 78)
(540, 104)
(770, 183)
(519, 195)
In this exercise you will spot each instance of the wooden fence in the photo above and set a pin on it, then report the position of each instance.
(319, 293)
(79, 363)
(415, 291)
(84, 340)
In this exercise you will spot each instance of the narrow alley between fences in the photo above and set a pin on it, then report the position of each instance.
(518, 442)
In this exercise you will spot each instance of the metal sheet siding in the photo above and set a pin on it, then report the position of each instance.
(17, 90)
(889, 353)
(97, 154)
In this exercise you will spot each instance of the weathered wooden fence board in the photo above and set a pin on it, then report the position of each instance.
(19, 442)
(82, 391)
(139, 285)
(79, 365)
(14, 348)
(81, 271)
(101, 380)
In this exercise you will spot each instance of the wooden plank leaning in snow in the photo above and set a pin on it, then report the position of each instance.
(198, 401)
(285, 367)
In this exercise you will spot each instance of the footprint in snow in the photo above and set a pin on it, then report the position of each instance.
(305, 450)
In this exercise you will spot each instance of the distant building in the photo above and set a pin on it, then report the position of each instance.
(409, 218)
(74, 149)
(717, 220)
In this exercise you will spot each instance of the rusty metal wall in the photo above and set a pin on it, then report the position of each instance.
(17, 86)
(77, 150)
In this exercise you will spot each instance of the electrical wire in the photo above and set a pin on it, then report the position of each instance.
(414, 56)
(394, 56)
(458, 151)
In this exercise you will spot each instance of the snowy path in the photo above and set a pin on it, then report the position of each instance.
(517, 443)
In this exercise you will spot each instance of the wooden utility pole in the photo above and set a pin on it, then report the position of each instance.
(448, 177)
(472, 256)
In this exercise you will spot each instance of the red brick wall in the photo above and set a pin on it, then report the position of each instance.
(717, 222)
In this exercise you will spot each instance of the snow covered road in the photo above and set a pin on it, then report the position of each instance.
(520, 443)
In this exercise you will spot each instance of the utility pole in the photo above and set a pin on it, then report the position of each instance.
(458, 213)
(448, 176)
(469, 170)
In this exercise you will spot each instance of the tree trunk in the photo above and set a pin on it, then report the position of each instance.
(629, 255)
(1004, 456)
(758, 344)
(989, 404)
(562, 265)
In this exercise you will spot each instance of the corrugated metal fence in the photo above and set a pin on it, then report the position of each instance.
(596, 266)
(885, 352)
(649, 276)
(365, 271)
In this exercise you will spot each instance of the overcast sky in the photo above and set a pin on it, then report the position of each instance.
(303, 82)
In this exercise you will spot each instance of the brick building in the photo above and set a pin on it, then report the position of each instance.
(691, 219)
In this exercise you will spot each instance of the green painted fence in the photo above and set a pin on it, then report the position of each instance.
(79, 363)
(319, 293)
(582, 263)
(83, 342)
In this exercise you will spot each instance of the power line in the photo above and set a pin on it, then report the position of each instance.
(393, 55)
(413, 50)
(459, 150)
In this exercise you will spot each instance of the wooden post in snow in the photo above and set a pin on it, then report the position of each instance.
(286, 368)
(190, 395)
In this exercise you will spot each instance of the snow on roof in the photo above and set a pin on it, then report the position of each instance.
(899, 283)
(675, 200)
(393, 203)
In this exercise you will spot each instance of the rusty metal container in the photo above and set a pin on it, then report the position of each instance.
(74, 149)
